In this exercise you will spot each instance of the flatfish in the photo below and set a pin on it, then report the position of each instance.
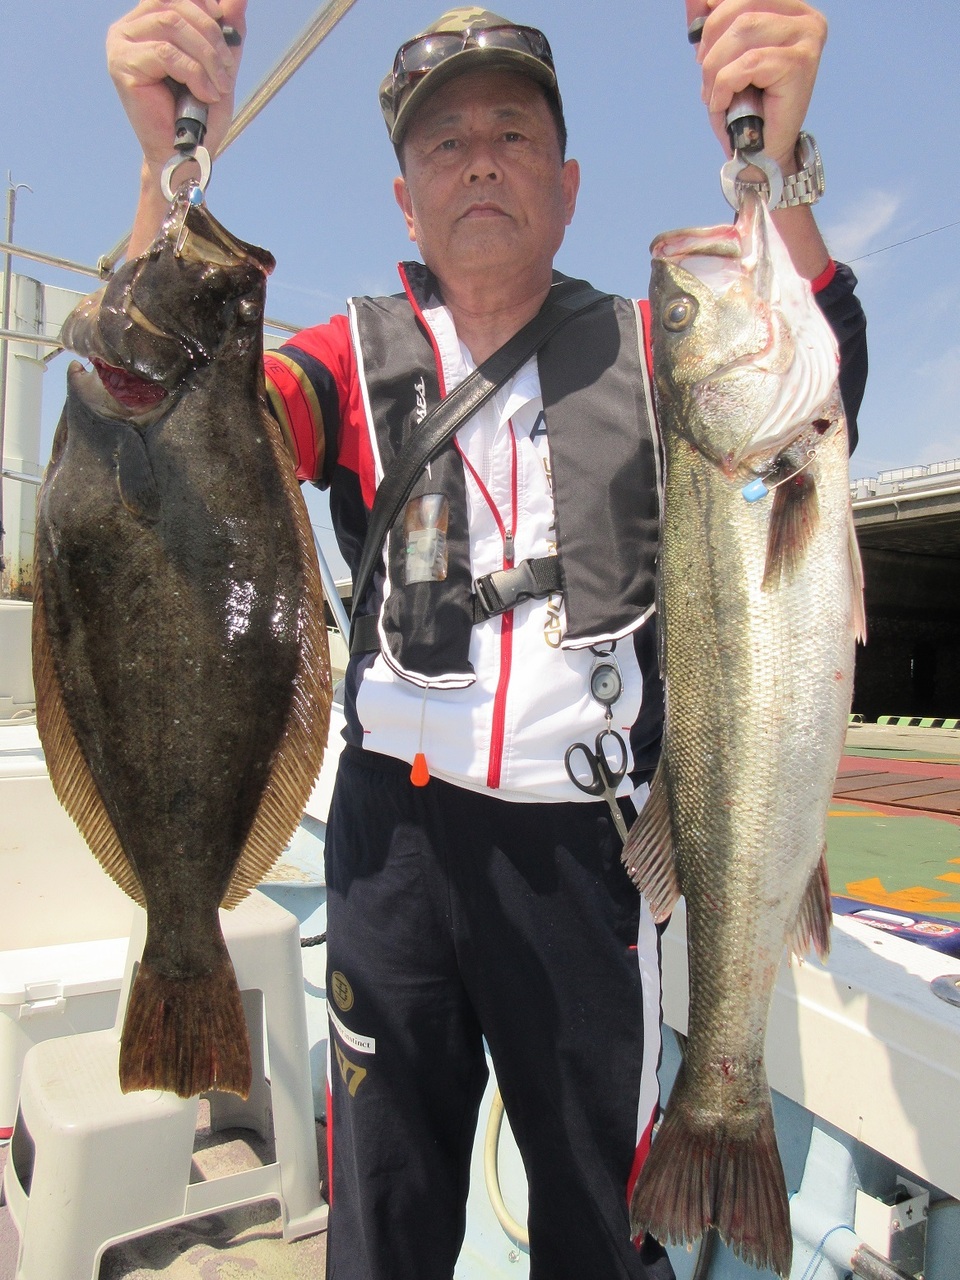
(180, 652)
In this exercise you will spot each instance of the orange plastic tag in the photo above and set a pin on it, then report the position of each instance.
(419, 773)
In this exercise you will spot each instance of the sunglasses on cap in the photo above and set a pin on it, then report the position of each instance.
(420, 55)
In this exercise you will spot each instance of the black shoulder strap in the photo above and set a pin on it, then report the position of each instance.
(566, 299)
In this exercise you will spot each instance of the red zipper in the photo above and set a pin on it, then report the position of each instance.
(428, 329)
(498, 730)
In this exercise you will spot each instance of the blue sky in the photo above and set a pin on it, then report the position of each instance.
(310, 179)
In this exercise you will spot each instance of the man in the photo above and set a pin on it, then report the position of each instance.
(474, 891)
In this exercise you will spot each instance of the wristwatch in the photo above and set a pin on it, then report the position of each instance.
(803, 187)
(806, 185)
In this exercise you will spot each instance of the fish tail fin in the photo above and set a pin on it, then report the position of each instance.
(692, 1180)
(648, 852)
(186, 1035)
(812, 928)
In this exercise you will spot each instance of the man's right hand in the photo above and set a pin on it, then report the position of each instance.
(181, 39)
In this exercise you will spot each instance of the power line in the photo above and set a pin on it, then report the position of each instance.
(946, 226)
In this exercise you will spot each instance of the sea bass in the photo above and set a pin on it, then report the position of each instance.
(761, 603)
(180, 652)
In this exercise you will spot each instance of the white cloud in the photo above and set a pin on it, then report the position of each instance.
(946, 449)
(938, 390)
(944, 368)
(932, 432)
(858, 230)
(911, 413)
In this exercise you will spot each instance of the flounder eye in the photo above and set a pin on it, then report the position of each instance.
(678, 314)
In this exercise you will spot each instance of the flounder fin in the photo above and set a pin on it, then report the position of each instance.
(299, 756)
(856, 574)
(135, 478)
(695, 1179)
(69, 772)
(186, 1035)
(812, 927)
(648, 853)
(793, 520)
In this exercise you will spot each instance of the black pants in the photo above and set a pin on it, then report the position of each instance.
(454, 916)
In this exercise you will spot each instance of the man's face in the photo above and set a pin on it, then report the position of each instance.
(485, 189)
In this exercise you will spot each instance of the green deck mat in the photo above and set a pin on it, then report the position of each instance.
(904, 861)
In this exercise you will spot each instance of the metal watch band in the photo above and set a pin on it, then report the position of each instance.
(799, 188)
(803, 187)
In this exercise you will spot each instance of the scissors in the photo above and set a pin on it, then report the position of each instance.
(599, 772)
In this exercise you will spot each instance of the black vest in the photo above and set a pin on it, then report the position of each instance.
(605, 470)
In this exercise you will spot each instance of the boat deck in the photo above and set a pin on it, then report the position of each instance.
(893, 835)
(893, 832)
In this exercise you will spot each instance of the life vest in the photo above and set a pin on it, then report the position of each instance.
(605, 471)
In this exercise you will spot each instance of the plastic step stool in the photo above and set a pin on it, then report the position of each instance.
(89, 1165)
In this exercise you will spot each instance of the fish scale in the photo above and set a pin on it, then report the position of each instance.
(180, 654)
(760, 604)
(758, 791)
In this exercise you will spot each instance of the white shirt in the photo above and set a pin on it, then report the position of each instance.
(508, 731)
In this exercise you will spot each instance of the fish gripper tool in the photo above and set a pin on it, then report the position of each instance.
(745, 131)
(190, 129)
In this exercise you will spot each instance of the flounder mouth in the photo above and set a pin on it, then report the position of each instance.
(129, 389)
(199, 237)
(134, 392)
(143, 348)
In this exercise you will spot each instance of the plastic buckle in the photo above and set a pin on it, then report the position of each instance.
(500, 591)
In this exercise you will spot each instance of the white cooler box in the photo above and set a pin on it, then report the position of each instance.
(52, 991)
(64, 924)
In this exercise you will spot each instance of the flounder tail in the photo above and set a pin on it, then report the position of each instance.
(694, 1180)
(186, 1035)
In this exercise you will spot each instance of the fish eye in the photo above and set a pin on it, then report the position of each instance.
(249, 309)
(678, 314)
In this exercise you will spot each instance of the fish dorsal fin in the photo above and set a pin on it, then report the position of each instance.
(856, 575)
(812, 927)
(793, 521)
(69, 772)
(648, 853)
(297, 761)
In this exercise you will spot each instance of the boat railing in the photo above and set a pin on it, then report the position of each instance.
(306, 42)
(316, 30)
